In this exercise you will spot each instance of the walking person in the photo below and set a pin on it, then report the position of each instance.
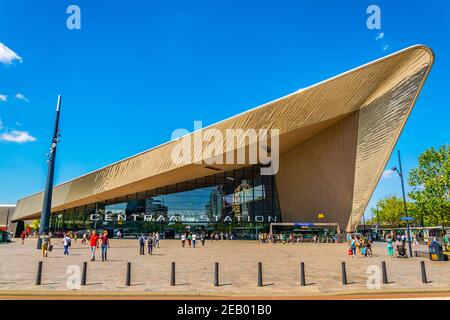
(22, 237)
(93, 243)
(157, 240)
(415, 242)
(66, 244)
(84, 240)
(445, 241)
(194, 238)
(353, 246)
(105, 245)
(183, 239)
(150, 243)
(189, 239)
(141, 244)
(46, 243)
(389, 246)
(202, 239)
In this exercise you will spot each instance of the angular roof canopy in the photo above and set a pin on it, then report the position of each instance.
(383, 92)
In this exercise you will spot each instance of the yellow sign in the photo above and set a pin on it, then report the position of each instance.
(320, 216)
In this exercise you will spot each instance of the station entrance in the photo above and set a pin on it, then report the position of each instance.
(325, 232)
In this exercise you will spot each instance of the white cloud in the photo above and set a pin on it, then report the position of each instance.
(380, 36)
(385, 47)
(387, 173)
(21, 97)
(17, 136)
(7, 56)
(3, 97)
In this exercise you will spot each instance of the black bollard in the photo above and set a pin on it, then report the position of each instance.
(383, 269)
(128, 280)
(172, 275)
(260, 278)
(302, 274)
(344, 274)
(415, 253)
(216, 274)
(39, 274)
(84, 274)
(424, 273)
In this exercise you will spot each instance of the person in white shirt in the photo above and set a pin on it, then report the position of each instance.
(183, 239)
(194, 238)
(66, 244)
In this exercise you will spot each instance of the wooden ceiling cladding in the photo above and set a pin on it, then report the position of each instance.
(384, 91)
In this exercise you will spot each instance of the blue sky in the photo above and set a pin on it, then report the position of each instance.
(137, 70)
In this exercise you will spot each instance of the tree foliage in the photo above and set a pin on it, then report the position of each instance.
(431, 186)
(389, 211)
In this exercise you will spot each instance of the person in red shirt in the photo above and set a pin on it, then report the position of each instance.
(93, 243)
(22, 236)
(105, 244)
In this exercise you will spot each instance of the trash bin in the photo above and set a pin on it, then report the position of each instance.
(436, 253)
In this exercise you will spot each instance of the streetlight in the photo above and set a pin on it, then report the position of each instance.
(408, 230)
(47, 204)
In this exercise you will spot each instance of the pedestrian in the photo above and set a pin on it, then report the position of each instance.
(403, 238)
(445, 241)
(150, 242)
(368, 245)
(84, 240)
(105, 245)
(216, 237)
(415, 242)
(194, 238)
(353, 246)
(142, 244)
(157, 240)
(118, 234)
(189, 239)
(211, 236)
(22, 237)
(202, 239)
(66, 243)
(183, 239)
(389, 246)
(46, 243)
(93, 243)
(358, 244)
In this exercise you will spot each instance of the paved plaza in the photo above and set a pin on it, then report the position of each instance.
(195, 269)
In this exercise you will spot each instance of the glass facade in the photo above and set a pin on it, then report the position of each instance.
(240, 201)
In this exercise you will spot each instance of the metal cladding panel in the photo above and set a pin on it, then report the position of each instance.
(380, 125)
(318, 107)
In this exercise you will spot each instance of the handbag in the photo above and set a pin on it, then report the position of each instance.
(50, 248)
(350, 252)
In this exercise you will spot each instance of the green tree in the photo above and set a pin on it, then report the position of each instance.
(431, 186)
(35, 225)
(389, 211)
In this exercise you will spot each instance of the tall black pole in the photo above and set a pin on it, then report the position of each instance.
(47, 205)
(408, 231)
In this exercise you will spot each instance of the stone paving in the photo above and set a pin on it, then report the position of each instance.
(195, 267)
